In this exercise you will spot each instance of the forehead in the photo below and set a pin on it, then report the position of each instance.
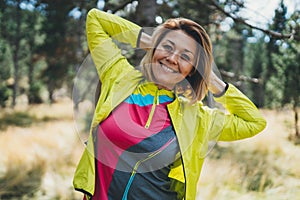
(181, 40)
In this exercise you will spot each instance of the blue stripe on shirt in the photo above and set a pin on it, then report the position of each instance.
(146, 100)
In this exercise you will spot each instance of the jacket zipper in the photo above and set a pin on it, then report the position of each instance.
(154, 104)
(138, 163)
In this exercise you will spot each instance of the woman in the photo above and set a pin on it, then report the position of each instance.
(150, 131)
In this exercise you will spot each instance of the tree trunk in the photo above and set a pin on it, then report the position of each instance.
(16, 54)
(236, 60)
(296, 119)
(50, 96)
(34, 88)
(30, 81)
(258, 95)
(146, 13)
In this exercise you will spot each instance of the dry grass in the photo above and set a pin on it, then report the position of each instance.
(44, 154)
(39, 161)
(260, 168)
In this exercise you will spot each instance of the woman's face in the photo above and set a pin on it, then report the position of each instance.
(173, 58)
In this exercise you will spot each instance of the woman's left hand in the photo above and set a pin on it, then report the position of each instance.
(215, 84)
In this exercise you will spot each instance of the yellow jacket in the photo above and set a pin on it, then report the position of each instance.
(195, 125)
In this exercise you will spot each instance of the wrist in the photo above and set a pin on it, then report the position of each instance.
(144, 41)
(221, 92)
(217, 86)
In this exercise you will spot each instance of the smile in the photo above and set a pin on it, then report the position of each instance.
(167, 69)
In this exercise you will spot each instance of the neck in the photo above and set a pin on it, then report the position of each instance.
(160, 86)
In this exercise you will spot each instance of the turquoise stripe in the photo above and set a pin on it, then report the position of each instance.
(133, 173)
(146, 100)
(128, 187)
(164, 99)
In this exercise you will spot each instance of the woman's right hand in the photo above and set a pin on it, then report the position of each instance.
(145, 41)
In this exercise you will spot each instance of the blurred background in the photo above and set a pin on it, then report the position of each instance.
(47, 87)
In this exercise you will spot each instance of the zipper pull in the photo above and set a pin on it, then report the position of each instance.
(150, 117)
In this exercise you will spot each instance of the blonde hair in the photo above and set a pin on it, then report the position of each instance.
(195, 85)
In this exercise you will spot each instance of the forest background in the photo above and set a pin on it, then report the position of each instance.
(47, 87)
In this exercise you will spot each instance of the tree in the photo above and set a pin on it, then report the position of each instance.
(14, 32)
(294, 34)
(32, 19)
(257, 66)
(11, 32)
(291, 87)
(59, 47)
(234, 56)
(271, 83)
(287, 64)
(5, 74)
(187, 9)
(5, 69)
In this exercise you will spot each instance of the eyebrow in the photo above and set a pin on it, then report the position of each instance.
(184, 49)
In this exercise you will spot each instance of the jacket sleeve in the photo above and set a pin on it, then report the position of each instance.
(243, 120)
(101, 29)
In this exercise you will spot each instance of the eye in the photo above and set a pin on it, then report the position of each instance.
(185, 57)
(168, 47)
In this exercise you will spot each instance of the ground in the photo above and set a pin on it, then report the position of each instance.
(38, 159)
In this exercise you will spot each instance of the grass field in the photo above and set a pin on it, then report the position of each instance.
(40, 147)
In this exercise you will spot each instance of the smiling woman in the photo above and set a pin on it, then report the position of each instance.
(178, 45)
(172, 60)
(150, 131)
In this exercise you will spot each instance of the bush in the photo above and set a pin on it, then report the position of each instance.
(34, 94)
(4, 95)
(22, 119)
(21, 181)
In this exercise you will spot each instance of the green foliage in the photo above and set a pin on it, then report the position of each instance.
(5, 93)
(22, 119)
(19, 31)
(273, 46)
(195, 10)
(46, 32)
(34, 94)
(255, 65)
(289, 64)
(49, 33)
(61, 46)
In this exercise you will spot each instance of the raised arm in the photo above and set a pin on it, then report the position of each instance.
(101, 29)
(101, 26)
(243, 120)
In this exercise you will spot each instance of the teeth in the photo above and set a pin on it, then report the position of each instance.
(167, 69)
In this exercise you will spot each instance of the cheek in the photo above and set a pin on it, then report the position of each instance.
(157, 55)
(186, 69)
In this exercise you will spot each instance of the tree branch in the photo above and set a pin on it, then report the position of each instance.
(242, 78)
(121, 6)
(266, 31)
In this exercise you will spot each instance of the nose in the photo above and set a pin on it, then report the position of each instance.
(172, 58)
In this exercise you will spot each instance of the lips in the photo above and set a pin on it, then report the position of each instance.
(167, 69)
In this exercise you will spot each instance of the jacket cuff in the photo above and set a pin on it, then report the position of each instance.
(223, 92)
(139, 38)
